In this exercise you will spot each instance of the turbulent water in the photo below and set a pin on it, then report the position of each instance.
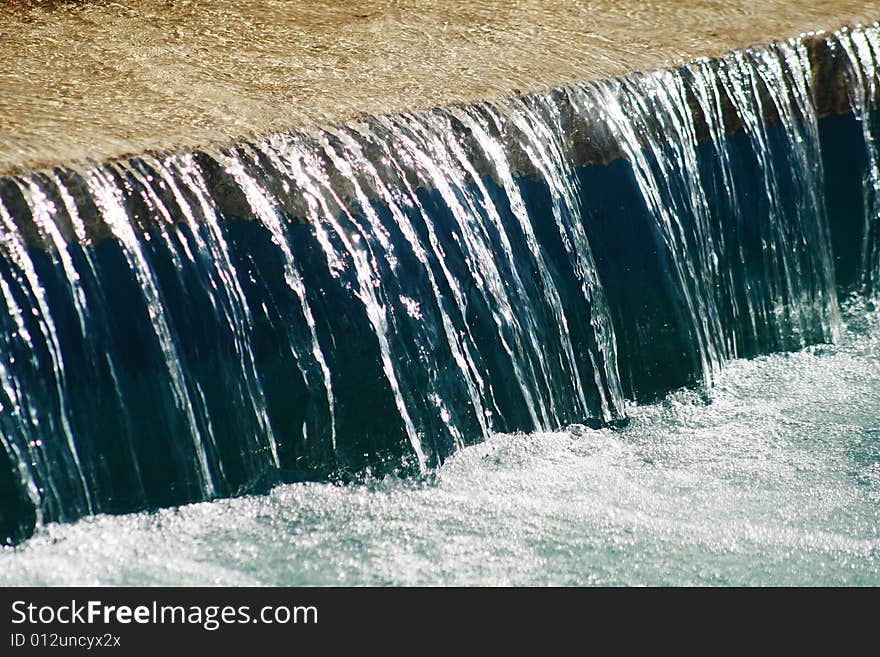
(379, 296)
(772, 477)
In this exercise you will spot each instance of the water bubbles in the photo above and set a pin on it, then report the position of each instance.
(412, 307)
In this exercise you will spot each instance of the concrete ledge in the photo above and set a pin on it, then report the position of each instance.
(588, 143)
(100, 80)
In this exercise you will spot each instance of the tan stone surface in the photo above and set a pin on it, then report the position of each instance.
(98, 79)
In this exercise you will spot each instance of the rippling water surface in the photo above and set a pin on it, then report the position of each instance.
(772, 477)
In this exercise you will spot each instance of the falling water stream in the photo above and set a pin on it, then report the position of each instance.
(365, 303)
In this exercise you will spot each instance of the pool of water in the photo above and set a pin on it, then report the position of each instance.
(772, 477)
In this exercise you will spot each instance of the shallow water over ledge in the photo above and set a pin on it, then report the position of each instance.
(772, 477)
(150, 74)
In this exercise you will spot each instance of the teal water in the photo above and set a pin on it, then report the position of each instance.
(771, 477)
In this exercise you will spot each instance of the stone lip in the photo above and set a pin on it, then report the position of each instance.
(103, 80)
(589, 143)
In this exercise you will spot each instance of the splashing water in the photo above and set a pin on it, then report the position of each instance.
(774, 481)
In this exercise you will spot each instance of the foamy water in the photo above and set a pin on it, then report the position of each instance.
(773, 477)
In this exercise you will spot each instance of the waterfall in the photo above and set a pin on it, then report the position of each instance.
(186, 325)
(752, 268)
(862, 50)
